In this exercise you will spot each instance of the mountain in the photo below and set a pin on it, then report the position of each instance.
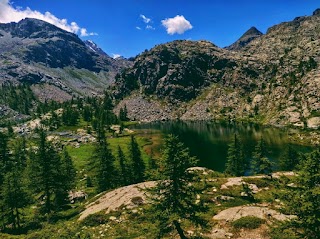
(95, 48)
(245, 39)
(53, 60)
(275, 79)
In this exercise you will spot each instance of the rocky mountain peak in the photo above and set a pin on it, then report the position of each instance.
(316, 12)
(245, 39)
(251, 32)
(95, 48)
(35, 28)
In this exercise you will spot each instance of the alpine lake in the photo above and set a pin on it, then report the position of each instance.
(209, 141)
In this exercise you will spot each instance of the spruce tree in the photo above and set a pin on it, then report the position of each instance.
(105, 169)
(46, 176)
(124, 176)
(137, 164)
(4, 167)
(67, 180)
(304, 200)
(15, 196)
(4, 155)
(68, 169)
(153, 168)
(260, 163)
(175, 197)
(289, 159)
(236, 164)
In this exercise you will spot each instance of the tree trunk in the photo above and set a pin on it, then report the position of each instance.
(179, 229)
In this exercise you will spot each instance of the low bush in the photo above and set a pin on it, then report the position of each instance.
(249, 222)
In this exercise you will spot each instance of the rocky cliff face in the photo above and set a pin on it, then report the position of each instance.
(272, 79)
(37, 52)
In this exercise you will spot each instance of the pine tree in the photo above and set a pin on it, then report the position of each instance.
(105, 169)
(67, 179)
(289, 159)
(175, 197)
(260, 163)
(107, 101)
(123, 114)
(4, 167)
(68, 169)
(153, 168)
(236, 164)
(15, 196)
(4, 155)
(137, 164)
(123, 170)
(46, 176)
(304, 200)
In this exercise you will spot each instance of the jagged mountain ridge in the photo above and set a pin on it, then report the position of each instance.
(95, 48)
(275, 79)
(54, 60)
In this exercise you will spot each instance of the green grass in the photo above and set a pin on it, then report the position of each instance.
(81, 156)
(81, 125)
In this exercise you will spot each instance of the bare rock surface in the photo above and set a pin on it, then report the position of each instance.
(121, 197)
(235, 213)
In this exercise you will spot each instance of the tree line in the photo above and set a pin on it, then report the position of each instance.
(237, 164)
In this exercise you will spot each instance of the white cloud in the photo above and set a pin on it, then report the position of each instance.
(178, 24)
(115, 56)
(10, 14)
(145, 19)
(84, 33)
(138, 28)
(149, 27)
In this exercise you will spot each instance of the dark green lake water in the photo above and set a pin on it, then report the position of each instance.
(209, 141)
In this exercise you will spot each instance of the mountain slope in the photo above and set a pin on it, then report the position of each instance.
(275, 79)
(39, 53)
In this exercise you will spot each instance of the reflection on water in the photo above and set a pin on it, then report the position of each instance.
(209, 140)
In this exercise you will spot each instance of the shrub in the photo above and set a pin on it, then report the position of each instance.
(249, 222)
(95, 219)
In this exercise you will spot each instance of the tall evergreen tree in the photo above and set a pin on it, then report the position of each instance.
(304, 200)
(46, 176)
(4, 155)
(289, 159)
(4, 167)
(123, 170)
(123, 113)
(260, 163)
(236, 164)
(68, 169)
(137, 164)
(107, 101)
(15, 196)
(67, 179)
(175, 197)
(105, 169)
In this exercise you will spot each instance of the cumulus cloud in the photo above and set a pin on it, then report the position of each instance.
(115, 56)
(145, 19)
(177, 24)
(10, 14)
(138, 28)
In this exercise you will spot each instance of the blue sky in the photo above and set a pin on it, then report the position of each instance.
(118, 26)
